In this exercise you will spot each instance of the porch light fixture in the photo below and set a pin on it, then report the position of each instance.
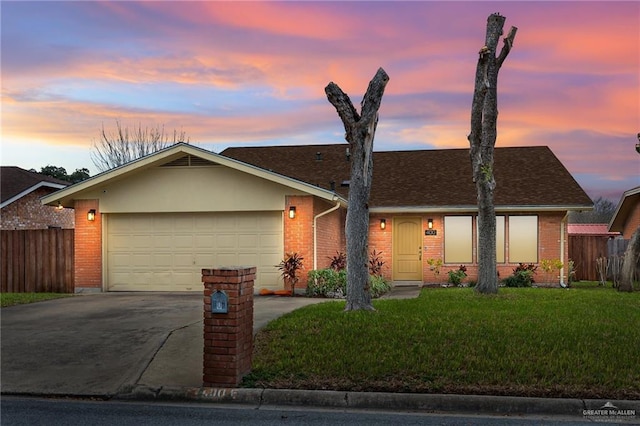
(292, 212)
(383, 223)
(430, 223)
(59, 206)
(91, 215)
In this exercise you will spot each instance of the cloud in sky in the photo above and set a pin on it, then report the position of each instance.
(240, 73)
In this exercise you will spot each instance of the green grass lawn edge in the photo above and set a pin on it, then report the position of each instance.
(12, 299)
(580, 343)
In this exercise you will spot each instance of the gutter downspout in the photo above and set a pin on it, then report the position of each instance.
(563, 236)
(315, 233)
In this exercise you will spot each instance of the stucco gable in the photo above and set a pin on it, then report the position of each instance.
(182, 157)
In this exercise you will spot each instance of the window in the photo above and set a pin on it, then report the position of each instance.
(523, 239)
(458, 239)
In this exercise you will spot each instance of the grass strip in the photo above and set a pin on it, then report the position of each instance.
(11, 299)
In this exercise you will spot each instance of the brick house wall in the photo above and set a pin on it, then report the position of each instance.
(549, 238)
(380, 241)
(632, 223)
(29, 213)
(330, 236)
(298, 233)
(88, 247)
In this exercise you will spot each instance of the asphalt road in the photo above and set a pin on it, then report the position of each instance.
(50, 412)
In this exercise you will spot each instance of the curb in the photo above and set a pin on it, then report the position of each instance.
(473, 404)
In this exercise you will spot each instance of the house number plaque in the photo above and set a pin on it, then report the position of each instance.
(430, 232)
(219, 302)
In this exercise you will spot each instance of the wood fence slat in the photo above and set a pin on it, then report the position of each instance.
(37, 260)
(3, 261)
(584, 250)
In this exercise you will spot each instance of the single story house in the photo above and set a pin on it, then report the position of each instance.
(152, 224)
(20, 206)
(626, 218)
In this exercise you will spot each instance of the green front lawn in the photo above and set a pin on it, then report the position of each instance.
(10, 299)
(522, 342)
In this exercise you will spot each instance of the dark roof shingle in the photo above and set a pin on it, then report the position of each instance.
(14, 180)
(525, 176)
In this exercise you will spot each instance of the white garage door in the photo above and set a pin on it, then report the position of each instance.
(166, 251)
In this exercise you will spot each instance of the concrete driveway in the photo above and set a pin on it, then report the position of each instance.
(102, 344)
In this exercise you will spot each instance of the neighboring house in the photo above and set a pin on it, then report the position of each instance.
(20, 206)
(160, 219)
(626, 218)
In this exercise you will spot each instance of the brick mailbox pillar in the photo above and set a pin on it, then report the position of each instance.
(228, 329)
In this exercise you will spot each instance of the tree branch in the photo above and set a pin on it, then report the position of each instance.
(373, 97)
(506, 48)
(343, 105)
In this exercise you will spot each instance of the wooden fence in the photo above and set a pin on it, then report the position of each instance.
(585, 249)
(38, 261)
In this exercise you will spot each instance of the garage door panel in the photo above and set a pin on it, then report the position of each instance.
(249, 223)
(247, 241)
(182, 241)
(166, 252)
(227, 241)
(271, 241)
(161, 260)
(141, 260)
(204, 242)
(228, 259)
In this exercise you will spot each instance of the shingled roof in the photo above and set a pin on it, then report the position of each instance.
(530, 177)
(16, 183)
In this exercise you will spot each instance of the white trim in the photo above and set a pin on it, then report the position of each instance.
(29, 190)
(473, 209)
(563, 236)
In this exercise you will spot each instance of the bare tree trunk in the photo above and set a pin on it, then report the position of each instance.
(360, 131)
(482, 139)
(631, 258)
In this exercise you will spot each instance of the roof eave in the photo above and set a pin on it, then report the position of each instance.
(43, 184)
(617, 220)
(65, 196)
(474, 208)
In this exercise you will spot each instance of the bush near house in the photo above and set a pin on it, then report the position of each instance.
(522, 276)
(333, 284)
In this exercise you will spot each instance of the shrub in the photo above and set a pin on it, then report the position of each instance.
(456, 277)
(338, 261)
(290, 266)
(434, 265)
(378, 286)
(522, 276)
(327, 283)
(333, 284)
(376, 263)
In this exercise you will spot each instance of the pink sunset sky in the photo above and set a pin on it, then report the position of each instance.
(253, 73)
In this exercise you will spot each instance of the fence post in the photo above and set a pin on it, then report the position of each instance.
(228, 333)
